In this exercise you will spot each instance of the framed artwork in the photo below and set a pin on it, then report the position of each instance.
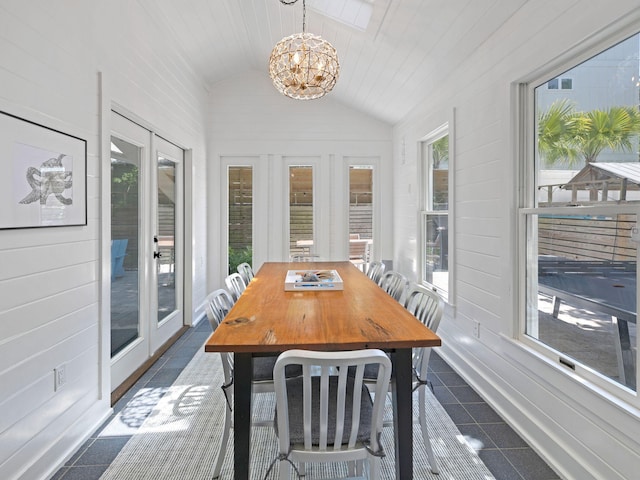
(44, 178)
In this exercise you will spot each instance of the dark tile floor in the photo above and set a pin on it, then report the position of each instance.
(503, 451)
(506, 455)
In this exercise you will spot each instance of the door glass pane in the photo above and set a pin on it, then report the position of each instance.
(301, 210)
(240, 216)
(125, 224)
(166, 247)
(360, 214)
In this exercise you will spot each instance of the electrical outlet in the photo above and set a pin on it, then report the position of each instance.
(59, 377)
(476, 329)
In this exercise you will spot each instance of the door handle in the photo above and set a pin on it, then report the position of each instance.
(157, 254)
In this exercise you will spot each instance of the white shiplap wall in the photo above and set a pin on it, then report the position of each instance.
(582, 434)
(49, 303)
(50, 311)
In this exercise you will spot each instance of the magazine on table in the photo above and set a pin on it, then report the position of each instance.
(304, 280)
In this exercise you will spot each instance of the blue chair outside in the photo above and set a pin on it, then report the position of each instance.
(118, 252)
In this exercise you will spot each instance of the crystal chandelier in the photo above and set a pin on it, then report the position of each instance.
(303, 66)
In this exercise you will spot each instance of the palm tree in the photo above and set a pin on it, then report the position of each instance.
(613, 128)
(440, 151)
(567, 135)
(557, 129)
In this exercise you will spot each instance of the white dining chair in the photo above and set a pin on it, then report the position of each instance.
(236, 285)
(375, 271)
(395, 284)
(327, 415)
(218, 304)
(305, 257)
(245, 271)
(428, 307)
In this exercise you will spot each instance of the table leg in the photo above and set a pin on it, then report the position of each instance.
(403, 413)
(242, 414)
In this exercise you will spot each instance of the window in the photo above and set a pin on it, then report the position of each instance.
(580, 218)
(240, 216)
(434, 217)
(360, 214)
(301, 210)
(560, 83)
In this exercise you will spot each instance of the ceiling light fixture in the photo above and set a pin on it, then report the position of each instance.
(303, 66)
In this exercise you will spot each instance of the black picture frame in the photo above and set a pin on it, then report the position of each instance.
(44, 180)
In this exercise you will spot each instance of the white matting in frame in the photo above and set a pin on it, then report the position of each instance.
(44, 182)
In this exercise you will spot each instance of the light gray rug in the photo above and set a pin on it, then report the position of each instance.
(181, 436)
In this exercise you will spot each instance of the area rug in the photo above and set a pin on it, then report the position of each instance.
(180, 438)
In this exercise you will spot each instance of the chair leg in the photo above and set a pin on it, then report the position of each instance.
(422, 417)
(355, 468)
(284, 470)
(225, 441)
(373, 467)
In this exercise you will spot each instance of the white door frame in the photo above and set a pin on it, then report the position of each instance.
(152, 334)
(175, 320)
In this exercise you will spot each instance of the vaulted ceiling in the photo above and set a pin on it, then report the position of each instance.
(391, 52)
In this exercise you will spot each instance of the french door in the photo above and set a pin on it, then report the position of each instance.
(146, 245)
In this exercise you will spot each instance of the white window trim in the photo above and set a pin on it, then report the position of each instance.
(524, 113)
(364, 161)
(258, 249)
(320, 239)
(447, 128)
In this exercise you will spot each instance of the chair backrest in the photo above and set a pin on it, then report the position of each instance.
(305, 257)
(375, 271)
(218, 304)
(428, 307)
(395, 284)
(358, 249)
(328, 406)
(245, 271)
(236, 285)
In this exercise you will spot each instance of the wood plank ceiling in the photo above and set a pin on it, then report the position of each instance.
(407, 48)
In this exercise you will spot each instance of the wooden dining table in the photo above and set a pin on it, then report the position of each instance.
(267, 320)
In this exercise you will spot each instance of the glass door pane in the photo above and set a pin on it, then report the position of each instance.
(301, 210)
(125, 231)
(240, 216)
(147, 249)
(166, 238)
(360, 213)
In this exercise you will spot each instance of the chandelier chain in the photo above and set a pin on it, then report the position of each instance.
(304, 11)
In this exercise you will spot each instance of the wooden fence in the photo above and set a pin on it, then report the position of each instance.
(587, 238)
(240, 234)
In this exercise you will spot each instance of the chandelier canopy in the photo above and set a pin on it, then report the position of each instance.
(303, 66)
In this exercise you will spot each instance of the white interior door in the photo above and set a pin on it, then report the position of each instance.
(146, 245)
